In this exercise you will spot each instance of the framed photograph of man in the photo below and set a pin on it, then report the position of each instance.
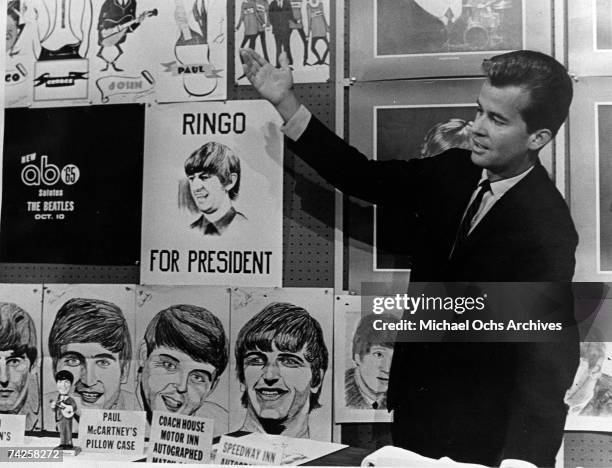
(182, 350)
(212, 201)
(362, 362)
(300, 28)
(281, 361)
(589, 39)
(20, 352)
(603, 121)
(426, 38)
(88, 330)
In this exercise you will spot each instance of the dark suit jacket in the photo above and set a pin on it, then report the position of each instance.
(474, 402)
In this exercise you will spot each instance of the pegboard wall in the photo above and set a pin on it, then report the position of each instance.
(585, 449)
(308, 204)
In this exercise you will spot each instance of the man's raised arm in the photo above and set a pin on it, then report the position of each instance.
(342, 165)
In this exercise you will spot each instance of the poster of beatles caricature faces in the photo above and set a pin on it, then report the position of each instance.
(88, 330)
(212, 195)
(191, 50)
(20, 327)
(362, 362)
(182, 345)
(281, 349)
(300, 28)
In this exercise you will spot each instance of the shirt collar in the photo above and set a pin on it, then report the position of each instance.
(500, 187)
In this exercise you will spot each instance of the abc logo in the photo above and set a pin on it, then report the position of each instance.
(49, 174)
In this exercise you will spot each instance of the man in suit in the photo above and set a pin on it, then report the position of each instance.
(65, 408)
(489, 214)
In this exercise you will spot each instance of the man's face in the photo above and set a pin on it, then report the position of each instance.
(208, 193)
(14, 371)
(374, 367)
(499, 133)
(96, 370)
(173, 381)
(63, 386)
(278, 383)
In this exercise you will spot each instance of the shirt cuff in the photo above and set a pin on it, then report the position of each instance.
(298, 122)
(513, 463)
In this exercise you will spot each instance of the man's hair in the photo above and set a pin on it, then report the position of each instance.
(215, 159)
(453, 133)
(192, 330)
(546, 80)
(17, 332)
(82, 320)
(12, 10)
(291, 329)
(64, 375)
(365, 336)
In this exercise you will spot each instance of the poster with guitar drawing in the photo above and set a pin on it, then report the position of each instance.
(191, 50)
(300, 28)
(124, 57)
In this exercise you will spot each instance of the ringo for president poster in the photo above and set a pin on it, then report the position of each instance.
(212, 195)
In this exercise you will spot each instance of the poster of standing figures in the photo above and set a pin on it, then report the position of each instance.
(191, 50)
(212, 195)
(300, 28)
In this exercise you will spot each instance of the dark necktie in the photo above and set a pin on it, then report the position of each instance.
(466, 223)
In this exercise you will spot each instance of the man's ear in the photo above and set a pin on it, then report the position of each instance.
(314, 388)
(233, 178)
(539, 139)
(357, 359)
(142, 356)
(125, 370)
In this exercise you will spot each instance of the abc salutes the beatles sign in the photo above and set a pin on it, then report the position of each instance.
(72, 194)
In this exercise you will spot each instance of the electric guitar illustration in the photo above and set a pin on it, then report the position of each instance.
(110, 36)
(192, 53)
(67, 410)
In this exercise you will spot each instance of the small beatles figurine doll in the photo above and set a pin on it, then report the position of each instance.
(65, 408)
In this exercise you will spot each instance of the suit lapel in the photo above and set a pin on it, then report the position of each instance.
(506, 212)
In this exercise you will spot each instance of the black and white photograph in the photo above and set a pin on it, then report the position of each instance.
(299, 28)
(88, 330)
(212, 204)
(20, 352)
(604, 194)
(408, 27)
(191, 50)
(281, 357)
(182, 352)
(59, 199)
(362, 363)
(406, 132)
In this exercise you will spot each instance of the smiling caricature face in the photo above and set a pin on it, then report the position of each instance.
(14, 371)
(173, 381)
(97, 373)
(278, 383)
